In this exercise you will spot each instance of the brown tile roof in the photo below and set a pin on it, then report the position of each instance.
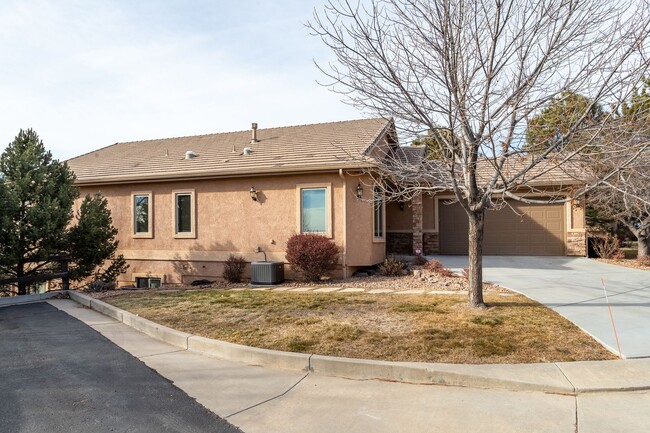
(287, 149)
(547, 172)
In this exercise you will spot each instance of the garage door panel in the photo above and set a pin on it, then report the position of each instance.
(517, 229)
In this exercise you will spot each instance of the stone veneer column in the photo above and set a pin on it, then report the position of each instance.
(416, 205)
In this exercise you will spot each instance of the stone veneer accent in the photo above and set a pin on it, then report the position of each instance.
(431, 245)
(416, 204)
(576, 244)
(399, 243)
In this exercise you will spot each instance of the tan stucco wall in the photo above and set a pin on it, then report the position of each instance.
(399, 220)
(428, 213)
(578, 215)
(362, 249)
(229, 221)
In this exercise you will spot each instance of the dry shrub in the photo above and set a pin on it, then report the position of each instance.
(391, 267)
(607, 247)
(644, 261)
(100, 286)
(233, 268)
(433, 265)
(437, 267)
(444, 272)
(465, 273)
(419, 260)
(312, 255)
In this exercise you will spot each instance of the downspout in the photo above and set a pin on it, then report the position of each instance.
(345, 223)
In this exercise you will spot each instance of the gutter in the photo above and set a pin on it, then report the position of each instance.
(120, 180)
(345, 223)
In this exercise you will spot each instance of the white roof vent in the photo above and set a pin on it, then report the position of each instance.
(248, 150)
(190, 154)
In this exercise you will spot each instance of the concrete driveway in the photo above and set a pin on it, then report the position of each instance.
(572, 287)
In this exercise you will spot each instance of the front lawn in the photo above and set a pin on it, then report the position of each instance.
(426, 328)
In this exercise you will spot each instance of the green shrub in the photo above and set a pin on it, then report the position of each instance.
(312, 255)
(233, 268)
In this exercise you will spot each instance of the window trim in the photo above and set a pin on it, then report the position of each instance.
(149, 233)
(382, 238)
(328, 207)
(192, 233)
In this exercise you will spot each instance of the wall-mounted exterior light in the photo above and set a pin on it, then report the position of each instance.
(253, 193)
(401, 205)
(359, 190)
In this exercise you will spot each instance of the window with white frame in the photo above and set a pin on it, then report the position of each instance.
(314, 208)
(142, 214)
(184, 215)
(378, 212)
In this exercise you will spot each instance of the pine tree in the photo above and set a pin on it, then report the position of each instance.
(92, 242)
(37, 194)
(562, 121)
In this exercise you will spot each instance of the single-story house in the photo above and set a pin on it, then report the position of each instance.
(183, 205)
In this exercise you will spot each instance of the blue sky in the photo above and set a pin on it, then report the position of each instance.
(86, 74)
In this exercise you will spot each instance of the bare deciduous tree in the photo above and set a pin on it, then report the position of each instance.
(625, 198)
(471, 73)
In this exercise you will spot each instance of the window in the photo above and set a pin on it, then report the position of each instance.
(147, 283)
(314, 209)
(184, 217)
(378, 210)
(142, 214)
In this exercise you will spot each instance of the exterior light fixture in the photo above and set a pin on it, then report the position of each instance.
(401, 205)
(253, 193)
(359, 190)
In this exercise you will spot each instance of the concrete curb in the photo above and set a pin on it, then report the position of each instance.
(28, 299)
(558, 378)
(249, 355)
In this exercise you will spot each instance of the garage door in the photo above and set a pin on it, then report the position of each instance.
(518, 230)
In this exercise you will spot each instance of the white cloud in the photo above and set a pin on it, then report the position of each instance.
(87, 74)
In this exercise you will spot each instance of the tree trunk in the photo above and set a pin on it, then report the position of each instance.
(476, 224)
(20, 272)
(642, 250)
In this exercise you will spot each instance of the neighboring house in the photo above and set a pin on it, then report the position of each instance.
(435, 224)
(183, 205)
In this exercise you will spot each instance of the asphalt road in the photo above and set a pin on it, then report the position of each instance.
(59, 375)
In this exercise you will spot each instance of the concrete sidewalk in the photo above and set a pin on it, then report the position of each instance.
(262, 399)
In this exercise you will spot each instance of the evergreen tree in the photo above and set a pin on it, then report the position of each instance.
(92, 242)
(37, 194)
(563, 119)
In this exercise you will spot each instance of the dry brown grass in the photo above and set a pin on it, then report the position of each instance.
(426, 328)
(628, 263)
